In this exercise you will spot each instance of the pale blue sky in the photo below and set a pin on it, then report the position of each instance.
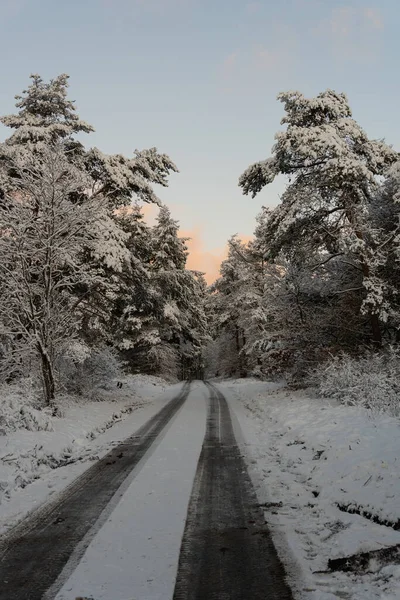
(199, 79)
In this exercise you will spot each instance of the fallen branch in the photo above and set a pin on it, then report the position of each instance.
(363, 561)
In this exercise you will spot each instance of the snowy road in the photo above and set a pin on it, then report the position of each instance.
(170, 513)
(227, 552)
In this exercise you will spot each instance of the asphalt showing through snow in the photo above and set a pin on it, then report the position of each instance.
(35, 552)
(227, 552)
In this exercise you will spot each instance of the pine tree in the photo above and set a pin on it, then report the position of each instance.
(47, 116)
(333, 169)
(229, 303)
(135, 311)
(181, 319)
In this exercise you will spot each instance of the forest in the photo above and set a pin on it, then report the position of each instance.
(88, 289)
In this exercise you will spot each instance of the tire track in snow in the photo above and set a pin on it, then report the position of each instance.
(34, 553)
(227, 552)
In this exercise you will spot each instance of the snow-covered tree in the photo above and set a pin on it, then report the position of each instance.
(169, 250)
(43, 235)
(305, 306)
(46, 115)
(384, 214)
(136, 307)
(231, 296)
(181, 321)
(333, 169)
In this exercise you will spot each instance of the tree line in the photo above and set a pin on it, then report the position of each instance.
(321, 277)
(81, 273)
(85, 282)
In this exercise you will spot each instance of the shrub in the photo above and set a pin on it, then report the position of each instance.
(20, 409)
(371, 381)
(82, 370)
(165, 361)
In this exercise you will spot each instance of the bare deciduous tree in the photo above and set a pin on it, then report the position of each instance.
(43, 234)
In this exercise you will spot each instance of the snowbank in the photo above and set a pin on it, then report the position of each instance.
(41, 454)
(314, 463)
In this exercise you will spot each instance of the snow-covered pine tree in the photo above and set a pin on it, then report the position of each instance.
(384, 214)
(169, 250)
(181, 321)
(46, 116)
(333, 168)
(306, 313)
(230, 301)
(136, 309)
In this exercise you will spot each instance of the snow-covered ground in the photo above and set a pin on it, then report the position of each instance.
(37, 462)
(311, 461)
(308, 456)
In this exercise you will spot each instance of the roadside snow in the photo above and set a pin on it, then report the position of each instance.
(135, 553)
(35, 464)
(308, 456)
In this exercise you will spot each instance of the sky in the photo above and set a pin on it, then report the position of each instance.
(198, 79)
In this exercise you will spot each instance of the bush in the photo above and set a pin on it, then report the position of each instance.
(371, 381)
(20, 409)
(82, 370)
(165, 361)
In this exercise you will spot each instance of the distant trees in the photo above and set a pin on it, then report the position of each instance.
(230, 305)
(181, 321)
(161, 315)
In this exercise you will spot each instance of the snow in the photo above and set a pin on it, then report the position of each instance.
(135, 554)
(298, 444)
(307, 456)
(30, 470)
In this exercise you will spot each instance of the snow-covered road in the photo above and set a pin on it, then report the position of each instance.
(36, 550)
(180, 509)
(135, 554)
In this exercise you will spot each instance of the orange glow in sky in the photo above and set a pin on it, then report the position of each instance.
(200, 258)
(207, 261)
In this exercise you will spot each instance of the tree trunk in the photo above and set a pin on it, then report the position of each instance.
(237, 339)
(376, 330)
(48, 378)
(373, 318)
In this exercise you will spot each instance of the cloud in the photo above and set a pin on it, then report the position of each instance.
(375, 18)
(241, 68)
(253, 7)
(267, 60)
(11, 8)
(156, 7)
(229, 65)
(341, 21)
(160, 6)
(228, 72)
(355, 33)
